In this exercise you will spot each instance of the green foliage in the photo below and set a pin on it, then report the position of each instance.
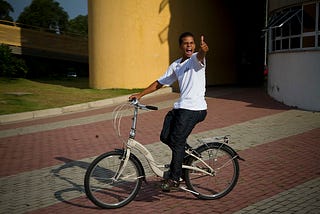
(11, 66)
(78, 25)
(5, 9)
(45, 14)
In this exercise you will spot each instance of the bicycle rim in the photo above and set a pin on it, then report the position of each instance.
(101, 186)
(222, 180)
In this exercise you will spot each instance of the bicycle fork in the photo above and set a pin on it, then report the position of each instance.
(123, 164)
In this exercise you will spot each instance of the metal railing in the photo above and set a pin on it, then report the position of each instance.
(36, 28)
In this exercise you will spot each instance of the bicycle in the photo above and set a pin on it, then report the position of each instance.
(114, 178)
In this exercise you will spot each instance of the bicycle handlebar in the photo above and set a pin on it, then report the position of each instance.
(137, 104)
(152, 108)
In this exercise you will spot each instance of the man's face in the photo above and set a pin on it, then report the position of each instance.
(187, 46)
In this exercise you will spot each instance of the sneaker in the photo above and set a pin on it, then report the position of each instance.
(169, 184)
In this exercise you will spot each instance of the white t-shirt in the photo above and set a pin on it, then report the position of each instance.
(192, 82)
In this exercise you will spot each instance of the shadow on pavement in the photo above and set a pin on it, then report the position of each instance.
(254, 96)
(76, 187)
(149, 191)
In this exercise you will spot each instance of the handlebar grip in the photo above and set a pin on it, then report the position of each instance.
(152, 107)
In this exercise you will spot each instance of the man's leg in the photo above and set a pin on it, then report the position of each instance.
(185, 121)
(168, 123)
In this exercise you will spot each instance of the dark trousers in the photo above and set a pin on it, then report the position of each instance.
(177, 126)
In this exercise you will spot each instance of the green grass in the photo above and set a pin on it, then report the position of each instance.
(21, 95)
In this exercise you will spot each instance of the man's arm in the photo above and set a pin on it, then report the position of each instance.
(203, 50)
(151, 88)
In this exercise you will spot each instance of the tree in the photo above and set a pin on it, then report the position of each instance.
(9, 65)
(79, 25)
(45, 14)
(5, 9)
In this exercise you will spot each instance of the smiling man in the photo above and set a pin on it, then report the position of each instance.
(190, 109)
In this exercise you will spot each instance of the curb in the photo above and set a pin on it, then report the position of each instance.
(9, 118)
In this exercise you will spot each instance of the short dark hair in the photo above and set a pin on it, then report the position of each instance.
(183, 35)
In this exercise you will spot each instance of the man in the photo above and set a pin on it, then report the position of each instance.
(190, 109)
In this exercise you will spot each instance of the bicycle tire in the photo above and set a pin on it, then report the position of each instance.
(216, 186)
(103, 190)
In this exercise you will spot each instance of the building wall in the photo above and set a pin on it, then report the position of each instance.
(132, 42)
(294, 73)
(124, 46)
(216, 21)
(294, 79)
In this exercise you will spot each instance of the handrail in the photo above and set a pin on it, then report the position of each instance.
(41, 29)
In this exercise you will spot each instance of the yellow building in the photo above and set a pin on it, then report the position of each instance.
(132, 42)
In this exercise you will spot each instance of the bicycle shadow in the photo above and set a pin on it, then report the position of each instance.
(74, 194)
(76, 188)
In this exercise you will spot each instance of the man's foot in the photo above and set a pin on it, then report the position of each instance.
(169, 184)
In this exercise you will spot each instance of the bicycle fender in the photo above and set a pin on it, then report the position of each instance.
(235, 153)
(137, 160)
(218, 144)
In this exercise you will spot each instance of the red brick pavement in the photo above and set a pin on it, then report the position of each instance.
(269, 169)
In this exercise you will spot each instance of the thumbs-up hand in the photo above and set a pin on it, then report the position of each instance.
(203, 49)
(203, 46)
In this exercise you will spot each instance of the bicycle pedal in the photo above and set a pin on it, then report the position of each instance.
(188, 190)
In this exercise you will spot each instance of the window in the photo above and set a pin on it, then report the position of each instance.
(318, 16)
(285, 44)
(284, 26)
(318, 13)
(295, 25)
(309, 18)
(295, 28)
(295, 43)
(309, 26)
(282, 17)
(308, 41)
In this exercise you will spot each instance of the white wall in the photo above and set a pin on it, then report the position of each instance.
(294, 79)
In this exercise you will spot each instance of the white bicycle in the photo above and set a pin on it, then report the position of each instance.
(113, 179)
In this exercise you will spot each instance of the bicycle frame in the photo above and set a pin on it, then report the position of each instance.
(156, 167)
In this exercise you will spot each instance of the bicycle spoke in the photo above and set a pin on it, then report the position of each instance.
(104, 188)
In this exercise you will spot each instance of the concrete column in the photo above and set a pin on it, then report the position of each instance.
(128, 45)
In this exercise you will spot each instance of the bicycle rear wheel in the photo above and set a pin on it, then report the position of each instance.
(225, 173)
(101, 186)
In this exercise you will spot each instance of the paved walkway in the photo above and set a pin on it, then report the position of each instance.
(43, 160)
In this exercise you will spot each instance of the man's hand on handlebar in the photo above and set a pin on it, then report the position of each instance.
(135, 96)
(151, 88)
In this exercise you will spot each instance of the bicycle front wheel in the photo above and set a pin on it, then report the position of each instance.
(103, 187)
(221, 176)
